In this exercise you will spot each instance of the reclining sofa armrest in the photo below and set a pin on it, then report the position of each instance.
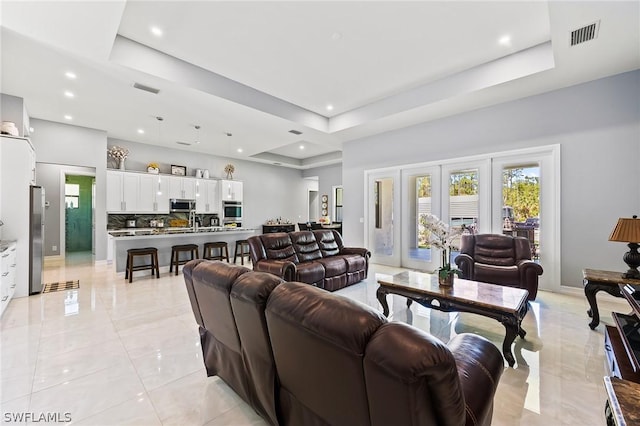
(527, 264)
(284, 269)
(356, 250)
(480, 365)
(465, 264)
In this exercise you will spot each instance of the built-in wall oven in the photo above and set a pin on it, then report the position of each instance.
(231, 212)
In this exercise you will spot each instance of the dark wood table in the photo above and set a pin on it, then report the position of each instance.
(596, 280)
(622, 401)
(507, 305)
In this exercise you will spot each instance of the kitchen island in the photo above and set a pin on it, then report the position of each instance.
(122, 240)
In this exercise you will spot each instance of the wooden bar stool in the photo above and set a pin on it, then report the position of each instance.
(222, 251)
(182, 248)
(152, 252)
(244, 250)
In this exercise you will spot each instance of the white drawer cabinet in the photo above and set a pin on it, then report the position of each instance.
(129, 192)
(7, 275)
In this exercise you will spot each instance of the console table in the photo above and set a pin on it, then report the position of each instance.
(622, 402)
(596, 280)
(282, 227)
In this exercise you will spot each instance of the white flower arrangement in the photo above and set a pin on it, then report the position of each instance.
(440, 236)
(118, 152)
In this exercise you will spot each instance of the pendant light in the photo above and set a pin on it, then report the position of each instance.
(197, 141)
(159, 119)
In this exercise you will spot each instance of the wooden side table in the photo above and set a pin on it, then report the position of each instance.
(622, 402)
(596, 280)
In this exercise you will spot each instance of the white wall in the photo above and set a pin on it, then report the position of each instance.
(328, 177)
(597, 125)
(65, 145)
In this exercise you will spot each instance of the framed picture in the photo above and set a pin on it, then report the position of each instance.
(178, 170)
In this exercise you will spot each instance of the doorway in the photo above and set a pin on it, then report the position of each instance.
(78, 213)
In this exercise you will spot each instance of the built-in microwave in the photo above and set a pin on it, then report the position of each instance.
(231, 211)
(177, 205)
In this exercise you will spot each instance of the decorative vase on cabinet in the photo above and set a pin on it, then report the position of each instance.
(122, 164)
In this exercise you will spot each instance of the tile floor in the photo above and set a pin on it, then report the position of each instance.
(112, 353)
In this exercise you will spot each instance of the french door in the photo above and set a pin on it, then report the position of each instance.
(383, 212)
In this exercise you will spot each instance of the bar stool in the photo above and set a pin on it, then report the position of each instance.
(152, 252)
(182, 248)
(220, 246)
(244, 250)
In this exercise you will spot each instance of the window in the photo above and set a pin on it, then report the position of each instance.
(72, 195)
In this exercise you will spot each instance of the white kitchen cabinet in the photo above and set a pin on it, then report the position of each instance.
(153, 194)
(231, 190)
(207, 196)
(182, 188)
(129, 192)
(7, 275)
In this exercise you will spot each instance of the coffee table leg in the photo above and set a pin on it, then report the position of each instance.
(590, 291)
(381, 294)
(510, 336)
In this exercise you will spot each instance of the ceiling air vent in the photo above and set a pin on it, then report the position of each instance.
(146, 88)
(586, 33)
(295, 132)
(183, 143)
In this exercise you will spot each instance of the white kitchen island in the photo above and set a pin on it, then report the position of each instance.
(164, 238)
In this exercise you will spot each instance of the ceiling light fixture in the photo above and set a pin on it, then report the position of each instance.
(70, 75)
(197, 134)
(239, 149)
(141, 131)
(505, 40)
(329, 107)
(228, 133)
(68, 117)
(156, 31)
(69, 94)
(301, 146)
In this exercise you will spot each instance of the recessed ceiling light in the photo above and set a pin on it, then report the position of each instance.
(69, 94)
(301, 146)
(239, 149)
(141, 131)
(156, 31)
(70, 75)
(329, 107)
(505, 40)
(68, 117)
(31, 129)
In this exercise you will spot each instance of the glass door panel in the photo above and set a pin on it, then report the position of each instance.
(383, 235)
(521, 203)
(421, 189)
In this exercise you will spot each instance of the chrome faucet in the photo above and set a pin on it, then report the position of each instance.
(192, 219)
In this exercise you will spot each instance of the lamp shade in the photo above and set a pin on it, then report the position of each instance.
(627, 230)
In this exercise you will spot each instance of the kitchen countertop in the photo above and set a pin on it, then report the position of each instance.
(139, 232)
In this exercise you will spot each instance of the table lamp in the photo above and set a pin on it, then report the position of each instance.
(627, 230)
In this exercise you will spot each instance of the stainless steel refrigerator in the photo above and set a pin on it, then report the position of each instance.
(36, 239)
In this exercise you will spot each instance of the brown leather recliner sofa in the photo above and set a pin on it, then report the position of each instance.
(300, 355)
(499, 259)
(314, 257)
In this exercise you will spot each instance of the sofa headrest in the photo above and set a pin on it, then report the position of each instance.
(278, 246)
(327, 241)
(346, 322)
(305, 245)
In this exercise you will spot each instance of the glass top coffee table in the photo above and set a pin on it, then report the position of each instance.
(508, 305)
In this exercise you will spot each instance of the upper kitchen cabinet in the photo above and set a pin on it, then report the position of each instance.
(182, 188)
(136, 193)
(231, 190)
(207, 196)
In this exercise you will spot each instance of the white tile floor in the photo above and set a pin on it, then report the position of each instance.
(113, 353)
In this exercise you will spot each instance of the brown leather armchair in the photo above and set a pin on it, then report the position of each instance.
(499, 259)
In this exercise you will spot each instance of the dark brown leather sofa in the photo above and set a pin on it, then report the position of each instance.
(303, 356)
(314, 257)
(499, 259)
